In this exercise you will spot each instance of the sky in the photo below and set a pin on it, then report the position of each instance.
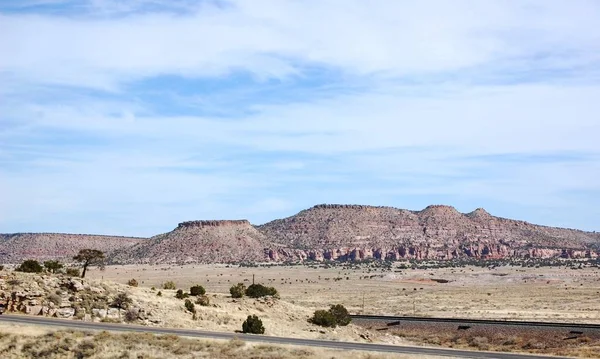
(128, 117)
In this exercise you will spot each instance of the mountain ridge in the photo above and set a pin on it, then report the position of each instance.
(324, 232)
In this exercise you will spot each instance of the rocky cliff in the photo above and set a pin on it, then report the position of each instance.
(198, 242)
(14, 248)
(324, 232)
(356, 232)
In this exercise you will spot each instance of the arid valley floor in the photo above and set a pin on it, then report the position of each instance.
(549, 294)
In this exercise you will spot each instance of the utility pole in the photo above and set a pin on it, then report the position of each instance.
(363, 309)
(252, 279)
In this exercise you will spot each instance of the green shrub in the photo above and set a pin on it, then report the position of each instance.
(323, 318)
(197, 290)
(203, 300)
(1, 267)
(259, 290)
(190, 306)
(30, 266)
(159, 294)
(336, 315)
(53, 266)
(73, 272)
(341, 315)
(169, 285)
(132, 283)
(181, 295)
(253, 325)
(238, 290)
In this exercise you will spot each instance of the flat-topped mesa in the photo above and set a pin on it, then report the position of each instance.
(213, 223)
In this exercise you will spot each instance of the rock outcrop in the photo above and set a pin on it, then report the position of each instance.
(199, 242)
(64, 297)
(356, 232)
(14, 248)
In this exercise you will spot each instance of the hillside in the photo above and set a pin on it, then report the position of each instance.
(14, 248)
(437, 232)
(198, 242)
(334, 232)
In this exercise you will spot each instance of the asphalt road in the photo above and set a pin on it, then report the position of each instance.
(21, 319)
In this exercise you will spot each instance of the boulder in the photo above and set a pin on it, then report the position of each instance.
(65, 313)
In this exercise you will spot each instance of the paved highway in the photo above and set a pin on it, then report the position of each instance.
(72, 324)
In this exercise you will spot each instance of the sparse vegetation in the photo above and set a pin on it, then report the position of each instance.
(189, 306)
(73, 272)
(53, 266)
(203, 300)
(259, 290)
(121, 301)
(197, 290)
(132, 283)
(30, 266)
(169, 285)
(238, 290)
(253, 325)
(180, 294)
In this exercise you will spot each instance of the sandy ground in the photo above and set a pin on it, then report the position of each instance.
(553, 294)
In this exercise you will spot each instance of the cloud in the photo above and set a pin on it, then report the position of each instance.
(130, 117)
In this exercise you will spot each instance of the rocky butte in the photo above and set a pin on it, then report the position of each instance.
(325, 232)
(357, 232)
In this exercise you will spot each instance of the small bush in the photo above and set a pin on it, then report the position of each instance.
(73, 272)
(323, 318)
(169, 285)
(30, 266)
(253, 325)
(341, 315)
(238, 290)
(197, 290)
(259, 290)
(181, 295)
(121, 301)
(132, 283)
(336, 315)
(131, 315)
(159, 294)
(190, 306)
(1, 267)
(203, 300)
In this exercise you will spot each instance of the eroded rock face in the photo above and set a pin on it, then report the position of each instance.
(355, 232)
(15, 248)
(199, 242)
(60, 297)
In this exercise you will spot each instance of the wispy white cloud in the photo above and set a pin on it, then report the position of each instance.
(128, 117)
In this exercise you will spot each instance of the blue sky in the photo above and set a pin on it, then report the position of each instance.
(129, 117)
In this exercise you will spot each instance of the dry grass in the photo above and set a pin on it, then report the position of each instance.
(19, 342)
(553, 343)
(553, 294)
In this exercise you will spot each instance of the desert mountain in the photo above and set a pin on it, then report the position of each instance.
(350, 232)
(199, 242)
(14, 248)
(332, 232)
